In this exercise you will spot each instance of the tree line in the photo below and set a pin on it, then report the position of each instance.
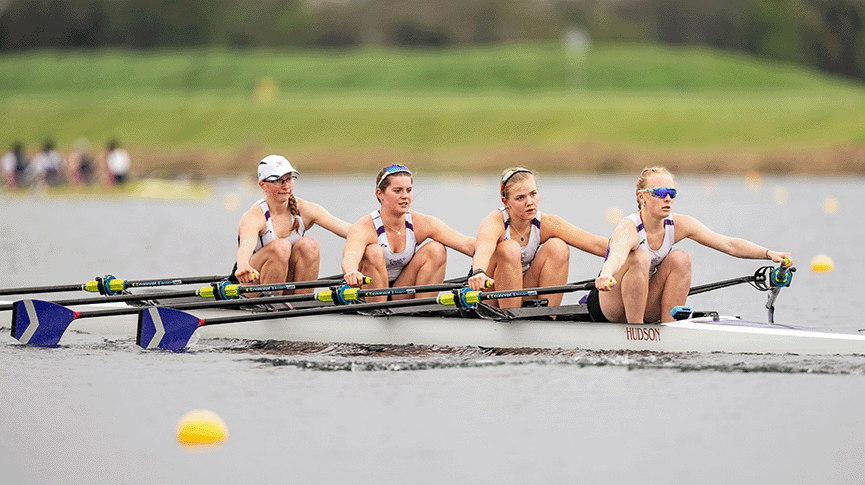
(826, 34)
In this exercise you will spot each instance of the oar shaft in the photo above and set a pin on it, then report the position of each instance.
(190, 280)
(198, 305)
(118, 298)
(40, 289)
(695, 290)
(318, 311)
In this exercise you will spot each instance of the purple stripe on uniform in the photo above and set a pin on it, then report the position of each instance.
(408, 225)
(668, 222)
(507, 224)
(267, 214)
(640, 227)
(536, 222)
(379, 230)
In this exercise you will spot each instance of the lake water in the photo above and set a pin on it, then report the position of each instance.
(95, 410)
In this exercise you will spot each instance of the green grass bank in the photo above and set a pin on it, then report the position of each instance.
(616, 108)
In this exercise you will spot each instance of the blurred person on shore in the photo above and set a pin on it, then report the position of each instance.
(117, 163)
(47, 166)
(82, 166)
(14, 165)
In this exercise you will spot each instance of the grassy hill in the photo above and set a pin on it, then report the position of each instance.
(618, 108)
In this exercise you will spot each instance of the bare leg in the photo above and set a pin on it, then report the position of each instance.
(373, 266)
(427, 267)
(626, 302)
(271, 262)
(669, 286)
(550, 268)
(304, 262)
(508, 273)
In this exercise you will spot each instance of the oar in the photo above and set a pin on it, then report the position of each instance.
(206, 292)
(37, 322)
(763, 279)
(344, 294)
(108, 285)
(170, 329)
(225, 290)
(468, 298)
(43, 323)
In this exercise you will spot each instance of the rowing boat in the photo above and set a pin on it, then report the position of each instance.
(425, 321)
(522, 328)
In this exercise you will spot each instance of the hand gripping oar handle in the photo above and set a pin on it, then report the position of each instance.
(467, 298)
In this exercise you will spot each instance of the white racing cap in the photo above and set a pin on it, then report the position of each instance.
(273, 167)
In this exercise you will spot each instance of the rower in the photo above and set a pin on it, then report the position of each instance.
(387, 245)
(519, 247)
(643, 277)
(272, 243)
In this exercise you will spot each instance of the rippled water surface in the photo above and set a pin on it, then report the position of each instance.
(98, 410)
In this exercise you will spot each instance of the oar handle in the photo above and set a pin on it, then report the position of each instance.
(225, 290)
(468, 298)
(344, 294)
(109, 285)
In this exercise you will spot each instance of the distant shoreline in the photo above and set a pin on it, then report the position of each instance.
(199, 163)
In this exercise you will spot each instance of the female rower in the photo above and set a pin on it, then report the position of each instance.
(385, 245)
(272, 243)
(643, 277)
(519, 247)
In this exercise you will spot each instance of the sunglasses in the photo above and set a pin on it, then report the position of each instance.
(283, 180)
(662, 192)
(396, 168)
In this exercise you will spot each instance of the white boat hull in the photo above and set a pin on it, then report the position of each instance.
(728, 334)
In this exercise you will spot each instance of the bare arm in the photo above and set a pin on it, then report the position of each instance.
(359, 236)
(687, 226)
(555, 226)
(252, 224)
(316, 214)
(489, 234)
(437, 230)
(624, 240)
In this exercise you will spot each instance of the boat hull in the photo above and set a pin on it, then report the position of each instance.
(723, 334)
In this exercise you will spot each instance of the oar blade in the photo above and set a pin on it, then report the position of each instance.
(165, 328)
(37, 322)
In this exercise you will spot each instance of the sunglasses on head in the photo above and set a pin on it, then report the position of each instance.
(662, 192)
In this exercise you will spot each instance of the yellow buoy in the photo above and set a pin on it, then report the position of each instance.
(201, 427)
(822, 264)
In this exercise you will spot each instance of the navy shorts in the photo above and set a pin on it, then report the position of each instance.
(593, 305)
